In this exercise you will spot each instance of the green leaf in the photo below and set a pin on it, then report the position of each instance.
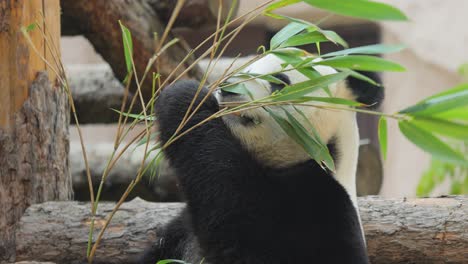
(431, 144)
(284, 34)
(291, 56)
(278, 4)
(334, 37)
(153, 138)
(361, 62)
(458, 114)
(304, 39)
(168, 261)
(299, 134)
(370, 49)
(31, 27)
(331, 100)
(456, 188)
(383, 136)
(426, 184)
(361, 77)
(447, 100)
(128, 46)
(457, 90)
(463, 70)
(360, 8)
(330, 35)
(442, 127)
(136, 116)
(298, 90)
(323, 156)
(311, 73)
(238, 88)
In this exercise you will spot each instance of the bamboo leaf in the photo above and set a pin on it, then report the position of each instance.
(298, 90)
(301, 137)
(304, 39)
(370, 49)
(361, 77)
(383, 136)
(360, 8)
(323, 155)
(284, 34)
(169, 261)
(431, 144)
(457, 114)
(443, 127)
(291, 56)
(238, 88)
(331, 100)
(135, 116)
(278, 4)
(311, 27)
(451, 99)
(128, 46)
(361, 62)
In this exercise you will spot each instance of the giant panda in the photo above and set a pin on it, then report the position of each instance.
(253, 195)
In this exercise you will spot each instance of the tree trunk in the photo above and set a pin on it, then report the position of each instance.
(34, 118)
(432, 230)
(98, 21)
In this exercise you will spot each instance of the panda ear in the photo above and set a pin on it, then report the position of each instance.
(366, 92)
(284, 81)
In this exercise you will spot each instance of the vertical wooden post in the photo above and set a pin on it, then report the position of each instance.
(34, 117)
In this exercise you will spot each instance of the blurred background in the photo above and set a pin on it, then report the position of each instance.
(436, 39)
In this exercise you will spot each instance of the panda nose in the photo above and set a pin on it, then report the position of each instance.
(227, 93)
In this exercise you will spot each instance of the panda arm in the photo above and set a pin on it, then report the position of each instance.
(218, 177)
(208, 160)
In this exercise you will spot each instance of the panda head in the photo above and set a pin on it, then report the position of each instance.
(260, 133)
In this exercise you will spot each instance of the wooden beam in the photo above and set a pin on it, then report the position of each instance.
(432, 230)
(33, 117)
(98, 22)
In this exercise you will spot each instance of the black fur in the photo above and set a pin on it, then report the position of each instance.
(278, 86)
(366, 92)
(241, 212)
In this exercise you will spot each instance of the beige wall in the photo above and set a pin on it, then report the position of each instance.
(437, 43)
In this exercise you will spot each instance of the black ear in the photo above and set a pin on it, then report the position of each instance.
(366, 92)
(278, 86)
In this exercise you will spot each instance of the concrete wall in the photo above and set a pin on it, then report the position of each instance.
(437, 43)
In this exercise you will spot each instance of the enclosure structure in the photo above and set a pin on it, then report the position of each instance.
(34, 116)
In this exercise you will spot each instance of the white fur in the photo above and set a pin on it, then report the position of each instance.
(270, 144)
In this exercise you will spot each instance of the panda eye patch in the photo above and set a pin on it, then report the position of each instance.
(278, 86)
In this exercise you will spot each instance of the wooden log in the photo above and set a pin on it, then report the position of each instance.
(194, 14)
(163, 187)
(98, 21)
(96, 92)
(33, 118)
(432, 230)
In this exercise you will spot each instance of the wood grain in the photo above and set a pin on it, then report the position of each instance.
(432, 230)
(34, 117)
